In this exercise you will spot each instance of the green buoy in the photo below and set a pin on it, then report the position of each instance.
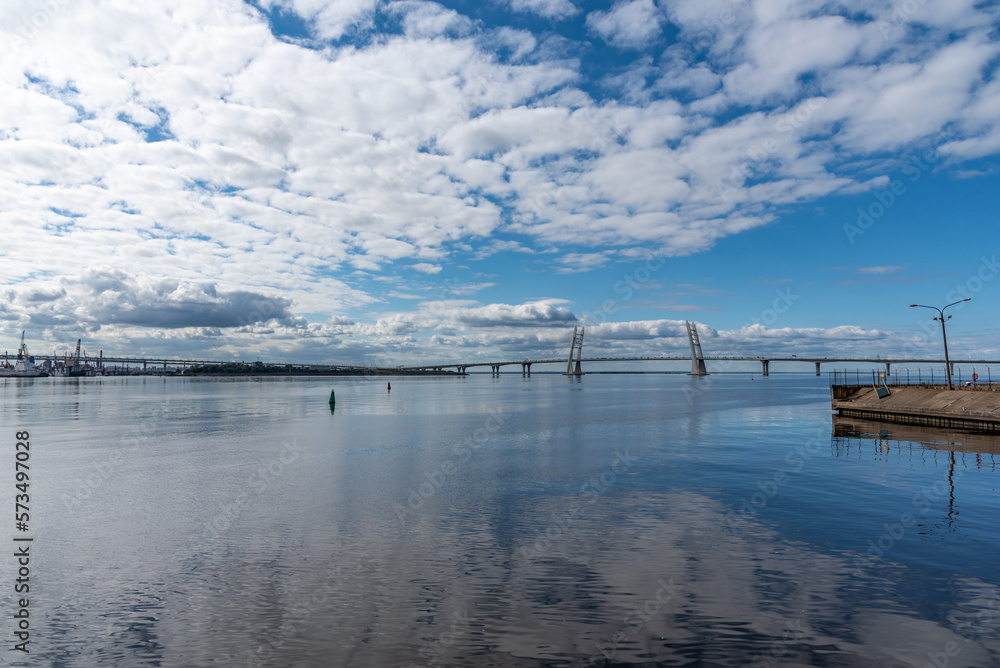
(333, 399)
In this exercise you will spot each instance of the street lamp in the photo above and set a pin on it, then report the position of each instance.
(947, 363)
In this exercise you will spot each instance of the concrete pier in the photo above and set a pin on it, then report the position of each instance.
(955, 440)
(976, 409)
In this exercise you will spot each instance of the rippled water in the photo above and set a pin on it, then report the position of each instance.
(544, 521)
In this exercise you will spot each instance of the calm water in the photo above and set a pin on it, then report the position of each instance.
(609, 520)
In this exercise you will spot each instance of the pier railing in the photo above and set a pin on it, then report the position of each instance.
(961, 378)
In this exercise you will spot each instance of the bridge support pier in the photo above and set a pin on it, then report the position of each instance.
(697, 358)
(817, 368)
(887, 365)
(766, 364)
(525, 368)
(496, 369)
(461, 370)
(575, 346)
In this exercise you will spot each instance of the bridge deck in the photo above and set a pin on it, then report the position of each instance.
(461, 366)
(757, 358)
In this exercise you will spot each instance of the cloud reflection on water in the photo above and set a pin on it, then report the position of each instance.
(644, 579)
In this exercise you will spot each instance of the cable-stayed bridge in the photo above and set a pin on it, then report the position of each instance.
(574, 361)
(764, 361)
(697, 358)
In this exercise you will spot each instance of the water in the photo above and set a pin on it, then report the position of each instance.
(611, 520)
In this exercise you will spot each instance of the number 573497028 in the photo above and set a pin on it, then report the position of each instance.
(21, 455)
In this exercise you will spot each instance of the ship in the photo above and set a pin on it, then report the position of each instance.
(72, 367)
(22, 367)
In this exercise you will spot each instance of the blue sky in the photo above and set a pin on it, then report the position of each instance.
(412, 181)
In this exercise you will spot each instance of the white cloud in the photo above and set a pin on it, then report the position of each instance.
(783, 51)
(880, 270)
(574, 262)
(426, 268)
(108, 297)
(981, 121)
(643, 330)
(846, 339)
(500, 246)
(550, 9)
(455, 288)
(533, 314)
(629, 24)
(329, 18)
(519, 42)
(429, 19)
(889, 106)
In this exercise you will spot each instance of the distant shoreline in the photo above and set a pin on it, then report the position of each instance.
(306, 373)
(254, 370)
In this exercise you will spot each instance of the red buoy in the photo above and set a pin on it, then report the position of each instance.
(389, 389)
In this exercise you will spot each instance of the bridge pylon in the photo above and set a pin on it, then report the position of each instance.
(697, 357)
(575, 346)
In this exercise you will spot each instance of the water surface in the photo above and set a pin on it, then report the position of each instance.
(653, 519)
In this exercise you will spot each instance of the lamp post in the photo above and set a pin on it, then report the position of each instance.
(944, 336)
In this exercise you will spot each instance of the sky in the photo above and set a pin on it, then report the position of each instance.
(401, 182)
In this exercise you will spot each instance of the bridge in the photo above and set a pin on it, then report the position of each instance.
(765, 362)
(697, 359)
(573, 361)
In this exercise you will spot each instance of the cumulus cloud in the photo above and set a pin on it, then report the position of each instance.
(629, 24)
(641, 330)
(330, 19)
(799, 335)
(427, 268)
(543, 313)
(112, 297)
(429, 19)
(550, 9)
